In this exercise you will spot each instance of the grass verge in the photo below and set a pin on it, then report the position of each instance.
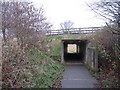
(44, 69)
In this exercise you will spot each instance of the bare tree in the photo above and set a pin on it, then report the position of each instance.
(4, 20)
(23, 20)
(110, 10)
(66, 25)
(24, 25)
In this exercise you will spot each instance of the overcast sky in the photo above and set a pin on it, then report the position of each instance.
(77, 11)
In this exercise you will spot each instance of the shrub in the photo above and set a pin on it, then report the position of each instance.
(106, 41)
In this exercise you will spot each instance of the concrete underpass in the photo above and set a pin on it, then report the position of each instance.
(76, 75)
(73, 50)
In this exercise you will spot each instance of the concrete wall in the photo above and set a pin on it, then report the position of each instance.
(62, 52)
(90, 55)
(0, 46)
(0, 63)
(91, 58)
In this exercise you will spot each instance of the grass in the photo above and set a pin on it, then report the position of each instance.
(55, 52)
(44, 69)
(55, 48)
(50, 38)
(91, 70)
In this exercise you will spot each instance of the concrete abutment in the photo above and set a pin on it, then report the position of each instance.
(84, 53)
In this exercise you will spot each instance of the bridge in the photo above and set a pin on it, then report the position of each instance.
(85, 30)
(76, 62)
(75, 71)
(84, 52)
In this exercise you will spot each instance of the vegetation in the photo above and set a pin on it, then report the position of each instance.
(54, 43)
(44, 69)
(107, 42)
(108, 64)
(32, 60)
(31, 68)
(26, 53)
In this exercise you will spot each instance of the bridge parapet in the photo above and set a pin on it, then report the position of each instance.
(85, 30)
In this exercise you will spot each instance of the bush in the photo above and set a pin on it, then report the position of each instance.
(106, 41)
(28, 67)
(14, 67)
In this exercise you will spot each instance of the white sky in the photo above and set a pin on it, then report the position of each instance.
(77, 11)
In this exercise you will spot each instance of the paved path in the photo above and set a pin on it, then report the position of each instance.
(77, 76)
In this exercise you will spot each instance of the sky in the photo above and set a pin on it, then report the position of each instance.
(58, 11)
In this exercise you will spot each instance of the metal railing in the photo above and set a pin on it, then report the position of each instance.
(85, 30)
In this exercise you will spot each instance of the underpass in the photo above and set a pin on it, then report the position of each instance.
(75, 53)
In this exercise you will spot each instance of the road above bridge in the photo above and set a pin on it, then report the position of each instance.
(77, 76)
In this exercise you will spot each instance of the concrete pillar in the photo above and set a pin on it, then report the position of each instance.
(86, 53)
(91, 58)
(77, 48)
(0, 46)
(0, 62)
(62, 51)
(96, 60)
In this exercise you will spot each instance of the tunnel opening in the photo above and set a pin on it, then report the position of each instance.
(73, 50)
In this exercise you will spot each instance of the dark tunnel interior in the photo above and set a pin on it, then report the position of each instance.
(77, 56)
